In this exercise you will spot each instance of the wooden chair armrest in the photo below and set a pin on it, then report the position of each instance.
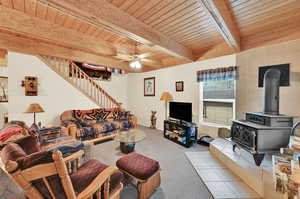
(72, 130)
(74, 156)
(97, 182)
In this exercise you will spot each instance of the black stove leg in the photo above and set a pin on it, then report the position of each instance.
(234, 147)
(258, 158)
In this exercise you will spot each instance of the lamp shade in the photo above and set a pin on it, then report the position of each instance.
(34, 108)
(166, 96)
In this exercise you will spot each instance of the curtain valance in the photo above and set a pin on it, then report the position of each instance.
(226, 73)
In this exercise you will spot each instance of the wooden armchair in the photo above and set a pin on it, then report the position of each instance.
(45, 174)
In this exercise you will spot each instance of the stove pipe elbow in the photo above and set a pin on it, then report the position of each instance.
(271, 92)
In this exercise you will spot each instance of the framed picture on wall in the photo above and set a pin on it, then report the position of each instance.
(149, 86)
(3, 89)
(179, 86)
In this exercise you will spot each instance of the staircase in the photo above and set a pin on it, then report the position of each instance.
(80, 80)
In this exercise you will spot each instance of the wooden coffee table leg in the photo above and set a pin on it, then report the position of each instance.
(127, 147)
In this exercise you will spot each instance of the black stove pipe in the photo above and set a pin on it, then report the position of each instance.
(271, 92)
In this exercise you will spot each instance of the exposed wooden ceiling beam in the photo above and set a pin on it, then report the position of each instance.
(218, 50)
(29, 45)
(220, 15)
(107, 16)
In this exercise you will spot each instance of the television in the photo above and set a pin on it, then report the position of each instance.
(181, 111)
(284, 77)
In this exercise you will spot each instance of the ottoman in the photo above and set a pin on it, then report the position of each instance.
(145, 171)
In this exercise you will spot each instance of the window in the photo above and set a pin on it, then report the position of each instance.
(218, 100)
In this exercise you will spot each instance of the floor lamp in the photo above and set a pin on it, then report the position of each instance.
(166, 96)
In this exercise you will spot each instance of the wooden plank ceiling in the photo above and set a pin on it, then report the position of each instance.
(166, 33)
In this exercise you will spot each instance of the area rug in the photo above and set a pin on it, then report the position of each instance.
(220, 181)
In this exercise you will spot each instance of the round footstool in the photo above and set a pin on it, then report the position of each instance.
(144, 170)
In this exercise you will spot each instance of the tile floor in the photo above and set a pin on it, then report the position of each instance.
(220, 181)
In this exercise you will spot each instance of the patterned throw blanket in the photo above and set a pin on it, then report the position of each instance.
(101, 114)
(96, 123)
(13, 131)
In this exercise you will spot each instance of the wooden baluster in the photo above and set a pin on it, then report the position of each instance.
(54, 62)
(72, 73)
(99, 98)
(60, 65)
(95, 91)
(86, 84)
(103, 100)
(66, 69)
(77, 76)
(63, 67)
(91, 91)
(80, 80)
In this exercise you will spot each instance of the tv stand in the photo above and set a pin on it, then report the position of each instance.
(181, 132)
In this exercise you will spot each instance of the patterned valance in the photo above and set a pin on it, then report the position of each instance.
(225, 73)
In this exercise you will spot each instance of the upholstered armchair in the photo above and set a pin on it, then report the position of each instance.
(45, 174)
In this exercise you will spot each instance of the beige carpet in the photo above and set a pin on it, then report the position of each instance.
(179, 178)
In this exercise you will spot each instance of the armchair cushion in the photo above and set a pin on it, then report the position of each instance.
(88, 172)
(33, 159)
(12, 151)
(29, 144)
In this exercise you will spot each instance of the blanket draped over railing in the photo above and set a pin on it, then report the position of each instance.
(226, 73)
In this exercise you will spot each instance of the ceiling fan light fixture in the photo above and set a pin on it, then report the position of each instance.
(135, 64)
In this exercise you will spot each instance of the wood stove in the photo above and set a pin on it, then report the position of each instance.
(265, 131)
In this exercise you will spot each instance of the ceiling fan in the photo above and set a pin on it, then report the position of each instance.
(137, 60)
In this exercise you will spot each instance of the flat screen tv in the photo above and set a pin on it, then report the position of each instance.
(181, 111)
(284, 77)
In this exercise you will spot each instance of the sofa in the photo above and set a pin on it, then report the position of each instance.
(97, 124)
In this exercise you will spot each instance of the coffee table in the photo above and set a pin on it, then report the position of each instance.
(128, 139)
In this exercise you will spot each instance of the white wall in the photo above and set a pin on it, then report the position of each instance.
(3, 105)
(165, 81)
(117, 88)
(249, 96)
(55, 95)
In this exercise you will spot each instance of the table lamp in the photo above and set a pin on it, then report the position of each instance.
(34, 108)
(166, 96)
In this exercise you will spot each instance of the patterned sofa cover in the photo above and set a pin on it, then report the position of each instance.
(96, 123)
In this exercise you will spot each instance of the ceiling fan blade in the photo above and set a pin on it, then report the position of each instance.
(152, 62)
(144, 55)
(124, 57)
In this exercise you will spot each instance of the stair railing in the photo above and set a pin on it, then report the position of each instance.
(79, 79)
